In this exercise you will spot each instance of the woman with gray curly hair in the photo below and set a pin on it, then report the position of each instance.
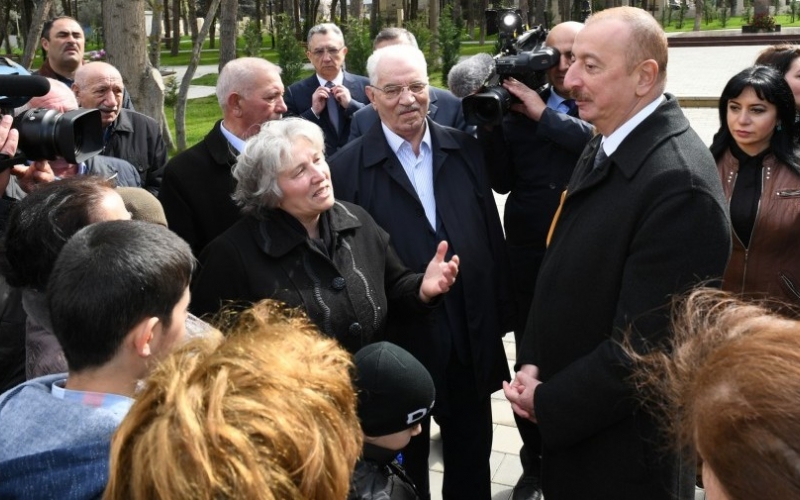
(298, 245)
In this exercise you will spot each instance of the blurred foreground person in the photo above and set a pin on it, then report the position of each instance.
(729, 392)
(269, 412)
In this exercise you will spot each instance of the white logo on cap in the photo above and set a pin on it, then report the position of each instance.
(416, 415)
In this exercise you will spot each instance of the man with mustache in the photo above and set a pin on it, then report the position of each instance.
(63, 43)
(424, 183)
(127, 134)
(531, 157)
(644, 218)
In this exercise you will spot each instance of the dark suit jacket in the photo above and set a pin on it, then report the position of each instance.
(478, 308)
(137, 139)
(196, 190)
(648, 223)
(444, 109)
(298, 103)
(533, 162)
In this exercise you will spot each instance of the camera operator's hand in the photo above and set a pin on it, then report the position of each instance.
(29, 177)
(532, 104)
(9, 138)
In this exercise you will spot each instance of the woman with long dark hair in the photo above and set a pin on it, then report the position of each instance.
(758, 163)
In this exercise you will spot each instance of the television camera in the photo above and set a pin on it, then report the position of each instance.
(45, 134)
(523, 56)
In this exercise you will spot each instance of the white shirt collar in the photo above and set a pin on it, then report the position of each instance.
(336, 81)
(395, 141)
(236, 142)
(612, 142)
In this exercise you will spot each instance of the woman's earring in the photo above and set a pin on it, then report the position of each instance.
(779, 127)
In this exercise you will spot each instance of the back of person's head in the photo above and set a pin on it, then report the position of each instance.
(395, 391)
(394, 36)
(43, 221)
(769, 85)
(107, 279)
(143, 205)
(729, 390)
(268, 412)
(779, 56)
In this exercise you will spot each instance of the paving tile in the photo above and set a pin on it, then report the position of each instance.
(502, 413)
(436, 485)
(436, 433)
(500, 492)
(495, 459)
(509, 471)
(435, 460)
(506, 440)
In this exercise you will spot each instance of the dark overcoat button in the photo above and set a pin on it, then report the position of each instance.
(338, 283)
(355, 329)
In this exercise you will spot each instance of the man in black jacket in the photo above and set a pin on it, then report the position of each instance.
(424, 183)
(531, 157)
(644, 218)
(197, 185)
(127, 134)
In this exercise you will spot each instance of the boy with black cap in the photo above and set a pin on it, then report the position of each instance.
(395, 393)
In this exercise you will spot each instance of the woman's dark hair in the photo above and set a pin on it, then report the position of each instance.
(779, 56)
(42, 222)
(770, 85)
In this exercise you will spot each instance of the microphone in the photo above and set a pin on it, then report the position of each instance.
(468, 76)
(23, 86)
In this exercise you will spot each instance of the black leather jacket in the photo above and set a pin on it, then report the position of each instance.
(378, 476)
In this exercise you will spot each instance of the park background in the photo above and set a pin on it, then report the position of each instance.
(148, 39)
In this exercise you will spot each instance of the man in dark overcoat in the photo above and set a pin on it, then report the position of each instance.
(643, 219)
(424, 183)
(198, 183)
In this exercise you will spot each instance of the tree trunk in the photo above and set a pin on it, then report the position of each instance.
(228, 31)
(192, 9)
(35, 31)
(355, 9)
(343, 20)
(167, 23)
(176, 28)
(298, 27)
(212, 33)
(180, 105)
(334, 5)
(126, 48)
(187, 27)
(155, 35)
(433, 24)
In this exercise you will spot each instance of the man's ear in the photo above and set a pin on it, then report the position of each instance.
(370, 95)
(45, 43)
(647, 76)
(344, 51)
(233, 103)
(143, 334)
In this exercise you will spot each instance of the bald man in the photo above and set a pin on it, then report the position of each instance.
(127, 134)
(532, 155)
(60, 98)
(197, 187)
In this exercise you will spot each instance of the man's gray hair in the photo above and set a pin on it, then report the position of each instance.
(395, 52)
(265, 156)
(393, 33)
(238, 76)
(323, 29)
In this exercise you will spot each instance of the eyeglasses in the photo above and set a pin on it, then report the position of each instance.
(394, 91)
(332, 51)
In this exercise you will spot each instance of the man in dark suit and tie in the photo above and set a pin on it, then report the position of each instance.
(444, 108)
(331, 96)
(531, 157)
(424, 183)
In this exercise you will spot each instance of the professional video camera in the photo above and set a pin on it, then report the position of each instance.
(523, 57)
(45, 134)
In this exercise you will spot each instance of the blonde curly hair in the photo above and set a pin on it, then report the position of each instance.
(269, 412)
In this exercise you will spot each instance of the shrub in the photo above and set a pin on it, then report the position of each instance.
(359, 46)
(290, 53)
(763, 22)
(252, 38)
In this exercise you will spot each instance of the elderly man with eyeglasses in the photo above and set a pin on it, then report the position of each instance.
(331, 95)
(423, 182)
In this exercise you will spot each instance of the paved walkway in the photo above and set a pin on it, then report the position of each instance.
(694, 72)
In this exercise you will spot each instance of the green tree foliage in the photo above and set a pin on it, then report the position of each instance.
(449, 40)
(423, 35)
(359, 46)
(290, 53)
(252, 38)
